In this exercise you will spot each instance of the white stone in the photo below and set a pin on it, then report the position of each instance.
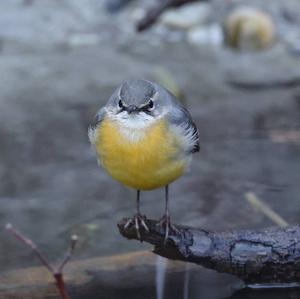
(187, 16)
(83, 39)
(206, 35)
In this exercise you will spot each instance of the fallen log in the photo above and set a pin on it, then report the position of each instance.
(265, 85)
(257, 257)
(99, 277)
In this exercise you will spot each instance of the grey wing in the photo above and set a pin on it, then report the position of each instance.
(93, 126)
(182, 122)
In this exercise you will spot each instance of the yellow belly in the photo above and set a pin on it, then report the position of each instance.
(151, 162)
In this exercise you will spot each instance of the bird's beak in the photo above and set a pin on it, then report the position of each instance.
(131, 108)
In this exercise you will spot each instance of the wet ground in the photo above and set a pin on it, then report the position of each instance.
(60, 61)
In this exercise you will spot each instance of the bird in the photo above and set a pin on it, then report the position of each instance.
(144, 138)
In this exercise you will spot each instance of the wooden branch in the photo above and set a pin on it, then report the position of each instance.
(266, 256)
(152, 14)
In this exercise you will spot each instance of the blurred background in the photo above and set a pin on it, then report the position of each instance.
(234, 64)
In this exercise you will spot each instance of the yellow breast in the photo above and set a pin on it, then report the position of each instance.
(150, 162)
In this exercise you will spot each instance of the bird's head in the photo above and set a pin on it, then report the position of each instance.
(138, 101)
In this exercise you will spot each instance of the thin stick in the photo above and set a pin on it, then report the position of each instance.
(69, 254)
(31, 245)
(153, 13)
(57, 273)
(265, 209)
(60, 284)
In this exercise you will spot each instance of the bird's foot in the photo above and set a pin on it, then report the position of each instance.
(138, 220)
(165, 222)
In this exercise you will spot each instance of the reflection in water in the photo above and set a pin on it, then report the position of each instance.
(267, 293)
(292, 285)
(160, 276)
(186, 282)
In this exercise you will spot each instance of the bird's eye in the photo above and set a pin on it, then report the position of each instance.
(150, 104)
(121, 106)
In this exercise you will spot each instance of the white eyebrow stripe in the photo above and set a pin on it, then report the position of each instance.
(119, 93)
(155, 96)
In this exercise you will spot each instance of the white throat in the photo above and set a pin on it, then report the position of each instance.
(133, 127)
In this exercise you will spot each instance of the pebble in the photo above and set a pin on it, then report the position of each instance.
(248, 28)
(186, 17)
(206, 35)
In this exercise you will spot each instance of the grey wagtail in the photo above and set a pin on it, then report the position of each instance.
(144, 138)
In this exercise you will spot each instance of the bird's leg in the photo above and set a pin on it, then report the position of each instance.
(138, 218)
(138, 215)
(165, 221)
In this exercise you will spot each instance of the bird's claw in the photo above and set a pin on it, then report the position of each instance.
(165, 222)
(137, 220)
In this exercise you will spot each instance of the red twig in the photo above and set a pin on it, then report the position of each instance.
(60, 284)
(57, 273)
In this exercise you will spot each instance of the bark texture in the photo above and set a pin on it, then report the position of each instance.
(266, 256)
